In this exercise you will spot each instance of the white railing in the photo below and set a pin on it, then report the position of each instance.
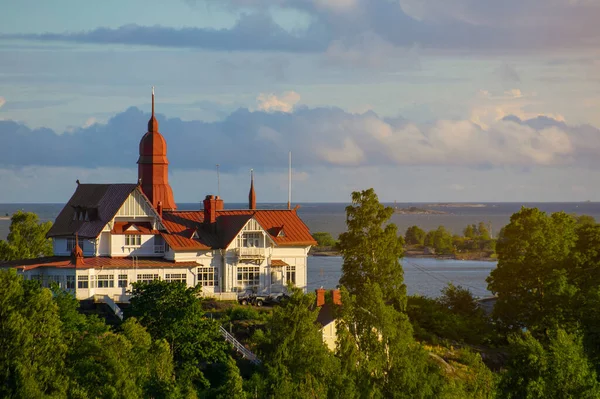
(159, 249)
(251, 252)
(238, 346)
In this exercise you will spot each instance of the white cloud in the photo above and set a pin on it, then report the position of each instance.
(2, 101)
(89, 122)
(337, 5)
(349, 154)
(270, 102)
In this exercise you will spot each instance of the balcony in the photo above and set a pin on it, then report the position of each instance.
(250, 253)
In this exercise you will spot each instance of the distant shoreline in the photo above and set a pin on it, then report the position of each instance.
(417, 254)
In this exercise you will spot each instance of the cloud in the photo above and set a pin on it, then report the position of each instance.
(319, 137)
(507, 74)
(252, 32)
(456, 25)
(270, 102)
(2, 101)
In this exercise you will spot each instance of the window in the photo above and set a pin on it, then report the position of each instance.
(176, 277)
(249, 240)
(53, 279)
(208, 276)
(248, 275)
(290, 274)
(122, 283)
(146, 278)
(106, 280)
(82, 281)
(71, 243)
(133, 240)
(70, 282)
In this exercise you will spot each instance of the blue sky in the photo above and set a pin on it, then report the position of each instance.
(424, 100)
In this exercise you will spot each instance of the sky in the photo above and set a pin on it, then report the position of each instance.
(423, 100)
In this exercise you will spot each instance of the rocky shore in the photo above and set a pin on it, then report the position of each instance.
(475, 256)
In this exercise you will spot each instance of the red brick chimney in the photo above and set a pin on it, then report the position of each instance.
(320, 296)
(220, 205)
(77, 253)
(210, 209)
(336, 296)
(159, 208)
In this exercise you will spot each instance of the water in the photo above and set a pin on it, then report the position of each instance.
(423, 276)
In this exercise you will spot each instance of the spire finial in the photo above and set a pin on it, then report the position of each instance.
(152, 101)
(252, 194)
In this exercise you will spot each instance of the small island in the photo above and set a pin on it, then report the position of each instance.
(457, 205)
(413, 210)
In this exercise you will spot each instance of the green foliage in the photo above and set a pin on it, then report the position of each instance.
(532, 279)
(414, 236)
(438, 321)
(585, 220)
(297, 362)
(173, 312)
(440, 240)
(372, 249)
(27, 238)
(324, 239)
(32, 350)
(559, 369)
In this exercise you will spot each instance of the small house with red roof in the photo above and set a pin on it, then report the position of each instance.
(110, 235)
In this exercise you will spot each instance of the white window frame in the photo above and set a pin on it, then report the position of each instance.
(290, 274)
(147, 277)
(105, 281)
(133, 240)
(176, 277)
(208, 276)
(248, 276)
(122, 281)
(83, 282)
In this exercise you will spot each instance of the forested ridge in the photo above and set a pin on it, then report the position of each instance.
(541, 341)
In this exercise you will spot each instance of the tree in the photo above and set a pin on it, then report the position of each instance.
(372, 249)
(558, 370)
(470, 231)
(297, 361)
(324, 239)
(32, 350)
(585, 220)
(26, 239)
(532, 278)
(414, 236)
(440, 240)
(173, 312)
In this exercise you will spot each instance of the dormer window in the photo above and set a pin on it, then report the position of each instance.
(281, 233)
(194, 235)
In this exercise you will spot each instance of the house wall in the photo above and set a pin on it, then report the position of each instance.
(330, 335)
(59, 246)
(118, 247)
(119, 294)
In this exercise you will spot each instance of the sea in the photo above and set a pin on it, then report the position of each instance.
(423, 276)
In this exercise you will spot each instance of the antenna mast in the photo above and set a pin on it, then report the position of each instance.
(218, 182)
(290, 181)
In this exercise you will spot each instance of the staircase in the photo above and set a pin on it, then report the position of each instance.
(238, 346)
(111, 304)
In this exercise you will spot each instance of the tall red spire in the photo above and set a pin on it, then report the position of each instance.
(252, 194)
(153, 166)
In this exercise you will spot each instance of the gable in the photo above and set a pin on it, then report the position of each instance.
(136, 206)
(251, 226)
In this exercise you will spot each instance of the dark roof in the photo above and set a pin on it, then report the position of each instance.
(326, 314)
(102, 201)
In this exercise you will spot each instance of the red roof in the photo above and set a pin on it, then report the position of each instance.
(278, 263)
(284, 227)
(181, 225)
(295, 232)
(142, 228)
(96, 262)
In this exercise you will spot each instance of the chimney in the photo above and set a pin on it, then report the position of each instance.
(210, 209)
(336, 295)
(159, 208)
(220, 205)
(320, 296)
(77, 253)
(251, 194)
